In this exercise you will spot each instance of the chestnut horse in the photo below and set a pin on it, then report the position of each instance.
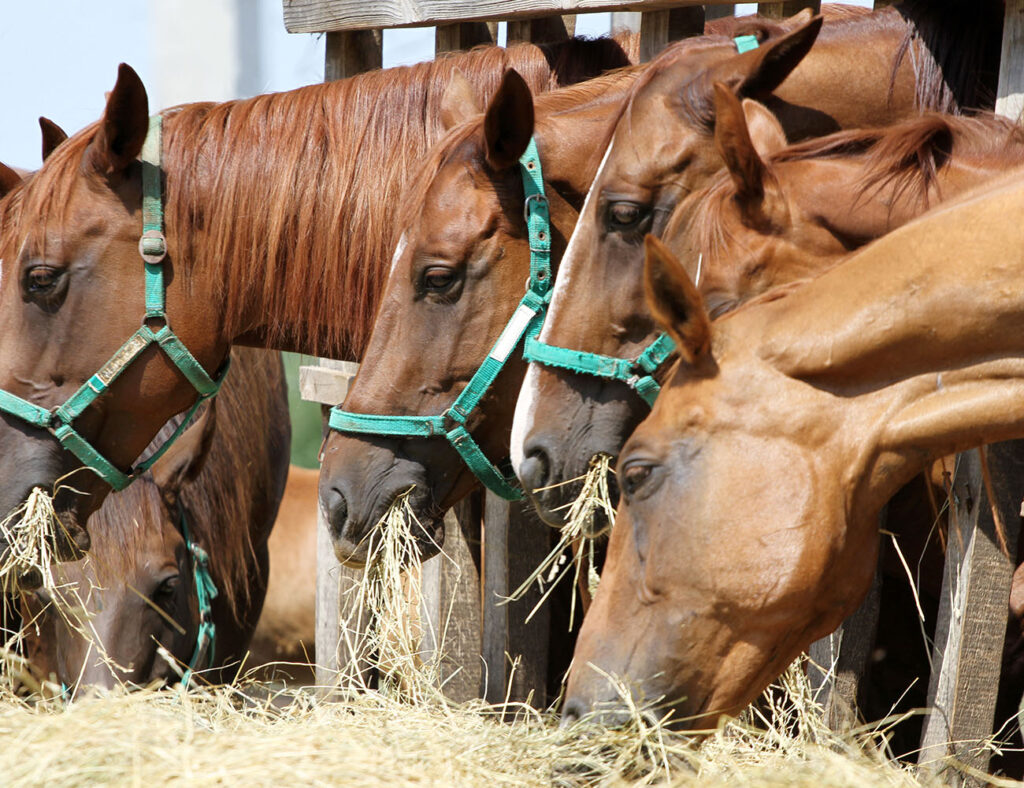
(748, 523)
(799, 210)
(277, 230)
(866, 70)
(458, 272)
(135, 593)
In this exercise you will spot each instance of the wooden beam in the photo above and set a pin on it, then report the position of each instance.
(973, 609)
(464, 35)
(515, 652)
(317, 16)
(542, 30)
(352, 52)
(328, 382)
(786, 9)
(1010, 101)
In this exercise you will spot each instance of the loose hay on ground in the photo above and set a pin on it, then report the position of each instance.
(222, 737)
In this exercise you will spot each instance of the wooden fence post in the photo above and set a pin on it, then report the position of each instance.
(539, 31)
(786, 9)
(352, 52)
(719, 11)
(973, 607)
(464, 35)
(515, 652)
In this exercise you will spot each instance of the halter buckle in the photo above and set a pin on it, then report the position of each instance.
(540, 198)
(153, 246)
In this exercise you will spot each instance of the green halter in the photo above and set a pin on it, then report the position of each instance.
(525, 322)
(206, 592)
(153, 249)
(637, 373)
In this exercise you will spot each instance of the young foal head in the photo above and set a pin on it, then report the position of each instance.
(748, 524)
(460, 267)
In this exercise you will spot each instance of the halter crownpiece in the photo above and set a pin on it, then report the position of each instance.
(153, 250)
(524, 323)
(637, 373)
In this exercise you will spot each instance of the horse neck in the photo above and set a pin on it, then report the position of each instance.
(917, 341)
(862, 53)
(861, 206)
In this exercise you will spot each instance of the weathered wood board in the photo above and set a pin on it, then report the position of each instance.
(316, 16)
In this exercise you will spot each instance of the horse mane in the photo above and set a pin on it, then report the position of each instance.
(904, 159)
(258, 191)
(954, 50)
(312, 175)
(233, 488)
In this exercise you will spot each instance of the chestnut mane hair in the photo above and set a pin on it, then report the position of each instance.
(253, 431)
(288, 200)
(901, 159)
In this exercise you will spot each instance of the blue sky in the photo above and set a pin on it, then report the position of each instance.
(60, 56)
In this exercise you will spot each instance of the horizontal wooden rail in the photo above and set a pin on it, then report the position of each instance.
(317, 16)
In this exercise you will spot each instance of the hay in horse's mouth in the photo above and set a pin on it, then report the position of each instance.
(578, 534)
(389, 593)
(29, 534)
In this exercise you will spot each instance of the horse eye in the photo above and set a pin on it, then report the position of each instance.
(41, 279)
(166, 592)
(437, 279)
(625, 215)
(634, 475)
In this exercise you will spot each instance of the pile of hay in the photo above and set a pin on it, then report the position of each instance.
(226, 736)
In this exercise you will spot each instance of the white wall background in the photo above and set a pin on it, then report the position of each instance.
(58, 57)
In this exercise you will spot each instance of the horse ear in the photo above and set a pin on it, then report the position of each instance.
(53, 135)
(766, 133)
(508, 122)
(675, 301)
(184, 460)
(732, 138)
(760, 71)
(124, 126)
(459, 102)
(9, 179)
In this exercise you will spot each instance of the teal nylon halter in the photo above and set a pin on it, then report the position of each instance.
(637, 373)
(525, 322)
(206, 592)
(153, 249)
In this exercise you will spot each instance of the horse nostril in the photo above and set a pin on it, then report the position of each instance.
(572, 712)
(337, 512)
(535, 470)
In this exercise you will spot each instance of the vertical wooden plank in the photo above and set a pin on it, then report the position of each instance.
(539, 31)
(653, 34)
(515, 542)
(352, 52)
(883, 3)
(719, 11)
(685, 22)
(464, 35)
(973, 609)
(1010, 100)
(450, 611)
(788, 8)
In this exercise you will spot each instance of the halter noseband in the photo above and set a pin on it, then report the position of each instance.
(525, 322)
(153, 250)
(637, 373)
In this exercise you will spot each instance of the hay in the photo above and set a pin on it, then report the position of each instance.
(248, 736)
(29, 532)
(575, 537)
(390, 594)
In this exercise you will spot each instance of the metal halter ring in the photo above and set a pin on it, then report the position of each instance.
(153, 246)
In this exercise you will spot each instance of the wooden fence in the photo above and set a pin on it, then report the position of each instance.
(495, 544)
